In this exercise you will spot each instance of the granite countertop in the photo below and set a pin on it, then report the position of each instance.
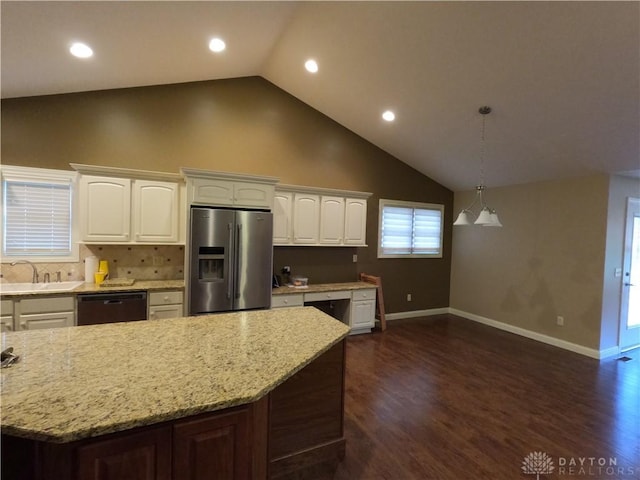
(93, 288)
(323, 287)
(79, 382)
(138, 285)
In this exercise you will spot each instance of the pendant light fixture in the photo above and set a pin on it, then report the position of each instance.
(487, 216)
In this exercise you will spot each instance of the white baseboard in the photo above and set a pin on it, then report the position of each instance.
(417, 313)
(556, 342)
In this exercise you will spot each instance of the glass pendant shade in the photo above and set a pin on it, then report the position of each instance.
(484, 218)
(463, 218)
(495, 221)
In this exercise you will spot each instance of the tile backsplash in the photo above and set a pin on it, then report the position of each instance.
(140, 262)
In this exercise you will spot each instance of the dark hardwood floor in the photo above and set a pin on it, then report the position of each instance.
(446, 398)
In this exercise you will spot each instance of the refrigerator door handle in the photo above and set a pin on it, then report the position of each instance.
(229, 243)
(238, 268)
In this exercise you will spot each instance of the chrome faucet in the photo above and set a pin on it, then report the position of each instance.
(34, 279)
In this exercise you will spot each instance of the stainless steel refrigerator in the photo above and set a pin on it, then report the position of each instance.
(231, 258)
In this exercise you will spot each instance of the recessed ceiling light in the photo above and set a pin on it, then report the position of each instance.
(81, 50)
(217, 45)
(389, 116)
(311, 66)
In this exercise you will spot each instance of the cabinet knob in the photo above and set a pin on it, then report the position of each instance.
(166, 299)
(286, 301)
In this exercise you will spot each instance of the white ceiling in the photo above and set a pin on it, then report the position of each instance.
(563, 78)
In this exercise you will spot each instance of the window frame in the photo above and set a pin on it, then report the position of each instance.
(415, 206)
(42, 175)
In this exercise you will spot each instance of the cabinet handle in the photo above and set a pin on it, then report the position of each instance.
(23, 325)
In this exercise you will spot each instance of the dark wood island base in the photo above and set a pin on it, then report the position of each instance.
(296, 427)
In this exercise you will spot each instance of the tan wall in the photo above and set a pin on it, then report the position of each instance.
(620, 188)
(546, 261)
(242, 125)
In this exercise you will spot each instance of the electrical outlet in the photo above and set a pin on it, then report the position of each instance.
(408, 297)
(355, 257)
(560, 321)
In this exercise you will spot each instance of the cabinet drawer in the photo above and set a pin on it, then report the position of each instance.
(6, 307)
(165, 298)
(364, 294)
(47, 305)
(278, 301)
(319, 296)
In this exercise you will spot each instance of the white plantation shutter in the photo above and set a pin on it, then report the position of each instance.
(409, 229)
(36, 217)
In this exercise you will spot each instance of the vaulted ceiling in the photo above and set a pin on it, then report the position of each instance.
(562, 78)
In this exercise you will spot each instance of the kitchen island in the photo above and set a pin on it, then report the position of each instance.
(249, 395)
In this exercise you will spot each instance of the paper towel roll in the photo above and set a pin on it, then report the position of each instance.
(90, 267)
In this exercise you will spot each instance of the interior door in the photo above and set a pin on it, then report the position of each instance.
(630, 308)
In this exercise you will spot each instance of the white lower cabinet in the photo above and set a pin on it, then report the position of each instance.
(44, 312)
(294, 300)
(357, 308)
(6, 315)
(167, 304)
(363, 311)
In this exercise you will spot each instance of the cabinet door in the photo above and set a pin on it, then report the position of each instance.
(363, 314)
(156, 211)
(282, 205)
(212, 192)
(105, 209)
(332, 220)
(161, 312)
(6, 323)
(252, 195)
(213, 446)
(38, 321)
(129, 456)
(306, 218)
(6, 315)
(355, 221)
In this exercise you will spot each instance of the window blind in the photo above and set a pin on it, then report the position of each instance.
(37, 218)
(409, 230)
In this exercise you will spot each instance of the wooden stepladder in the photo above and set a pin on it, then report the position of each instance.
(377, 281)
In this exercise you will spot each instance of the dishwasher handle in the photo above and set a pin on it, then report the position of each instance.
(112, 298)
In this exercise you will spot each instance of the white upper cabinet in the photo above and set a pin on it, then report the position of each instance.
(156, 211)
(105, 209)
(306, 218)
(331, 220)
(122, 209)
(319, 216)
(355, 221)
(229, 189)
(212, 192)
(282, 219)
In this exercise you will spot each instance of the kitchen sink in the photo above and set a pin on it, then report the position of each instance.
(15, 288)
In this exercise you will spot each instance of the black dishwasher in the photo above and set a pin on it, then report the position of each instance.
(97, 308)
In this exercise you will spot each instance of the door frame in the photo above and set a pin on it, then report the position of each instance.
(633, 204)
